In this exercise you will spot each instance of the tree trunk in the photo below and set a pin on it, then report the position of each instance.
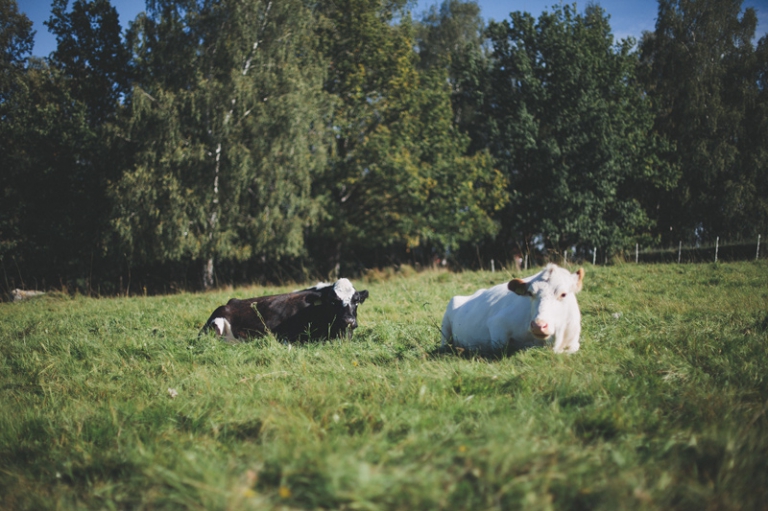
(208, 274)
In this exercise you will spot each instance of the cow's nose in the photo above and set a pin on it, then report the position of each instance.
(539, 327)
(351, 323)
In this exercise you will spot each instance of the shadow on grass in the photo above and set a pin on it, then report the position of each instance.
(507, 351)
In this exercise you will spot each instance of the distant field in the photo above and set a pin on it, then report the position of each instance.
(664, 407)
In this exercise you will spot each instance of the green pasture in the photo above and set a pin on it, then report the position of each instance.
(116, 403)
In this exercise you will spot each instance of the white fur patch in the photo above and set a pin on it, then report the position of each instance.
(344, 290)
(557, 279)
(224, 329)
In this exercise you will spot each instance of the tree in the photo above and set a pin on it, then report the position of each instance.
(398, 176)
(227, 127)
(16, 42)
(57, 154)
(746, 201)
(452, 37)
(51, 196)
(699, 67)
(572, 130)
(91, 54)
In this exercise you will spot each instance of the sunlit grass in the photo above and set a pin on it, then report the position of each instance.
(116, 403)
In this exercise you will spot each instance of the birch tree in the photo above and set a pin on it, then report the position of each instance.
(452, 36)
(227, 125)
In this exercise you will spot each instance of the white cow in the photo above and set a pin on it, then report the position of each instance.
(534, 311)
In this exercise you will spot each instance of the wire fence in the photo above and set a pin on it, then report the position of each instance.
(682, 254)
(719, 252)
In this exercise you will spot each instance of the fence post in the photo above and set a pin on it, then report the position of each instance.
(717, 245)
(493, 268)
(526, 262)
(594, 255)
(679, 251)
(565, 256)
(637, 247)
(757, 252)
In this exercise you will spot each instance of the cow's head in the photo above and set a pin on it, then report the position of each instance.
(551, 293)
(340, 301)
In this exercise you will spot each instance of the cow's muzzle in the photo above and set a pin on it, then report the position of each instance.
(348, 327)
(540, 329)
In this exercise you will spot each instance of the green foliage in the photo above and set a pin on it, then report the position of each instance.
(118, 403)
(225, 146)
(702, 71)
(244, 138)
(57, 147)
(398, 172)
(91, 55)
(16, 42)
(449, 31)
(53, 206)
(572, 130)
(452, 37)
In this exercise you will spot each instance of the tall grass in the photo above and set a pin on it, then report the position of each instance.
(117, 404)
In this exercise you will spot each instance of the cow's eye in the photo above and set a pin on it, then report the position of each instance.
(562, 295)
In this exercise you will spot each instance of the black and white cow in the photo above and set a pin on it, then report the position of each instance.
(320, 312)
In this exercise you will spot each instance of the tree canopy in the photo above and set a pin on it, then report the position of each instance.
(701, 70)
(213, 141)
(225, 146)
(571, 127)
(398, 173)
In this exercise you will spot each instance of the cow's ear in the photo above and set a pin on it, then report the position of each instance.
(579, 280)
(518, 286)
(362, 295)
(314, 299)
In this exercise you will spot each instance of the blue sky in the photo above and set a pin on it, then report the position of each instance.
(628, 17)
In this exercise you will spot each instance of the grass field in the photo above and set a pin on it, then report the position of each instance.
(117, 404)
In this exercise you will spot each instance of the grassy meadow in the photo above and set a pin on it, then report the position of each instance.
(117, 404)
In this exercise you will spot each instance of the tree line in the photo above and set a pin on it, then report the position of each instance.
(218, 141)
